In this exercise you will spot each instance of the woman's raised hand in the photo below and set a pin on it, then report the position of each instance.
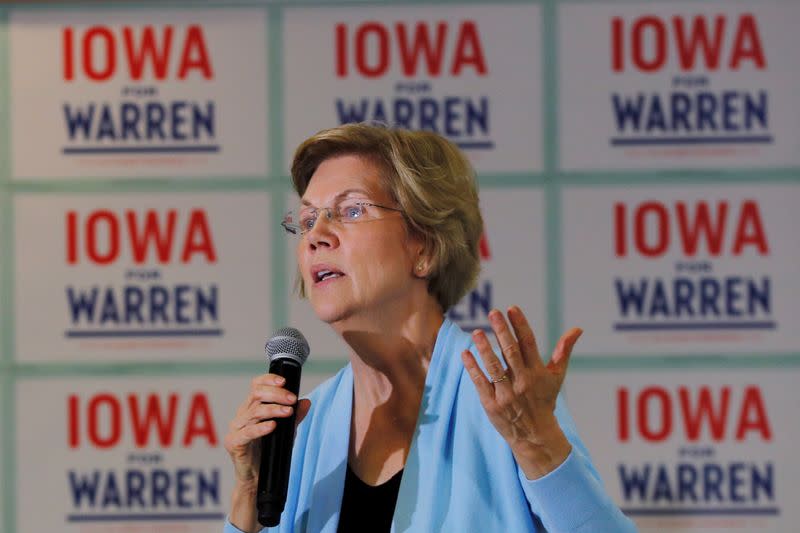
(520, 399)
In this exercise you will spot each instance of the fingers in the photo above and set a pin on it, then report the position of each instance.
(491, 363)
(508, 343)
(525, 335)
(484, 388)
(560, 359)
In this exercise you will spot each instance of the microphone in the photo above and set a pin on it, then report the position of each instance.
(287, 351)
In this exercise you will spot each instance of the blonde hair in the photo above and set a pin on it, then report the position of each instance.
(431, 181)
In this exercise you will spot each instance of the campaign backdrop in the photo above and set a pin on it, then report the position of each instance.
(639, 173)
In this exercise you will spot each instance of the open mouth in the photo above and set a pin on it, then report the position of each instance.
(326, 274)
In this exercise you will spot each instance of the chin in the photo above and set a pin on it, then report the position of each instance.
(331, 312)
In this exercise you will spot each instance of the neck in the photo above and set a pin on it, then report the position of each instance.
(390, 351)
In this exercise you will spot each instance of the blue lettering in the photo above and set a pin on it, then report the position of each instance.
(83, 486)
(680, 111)
(184, 488)
(155, 304)
(453, 116)
(149, 121)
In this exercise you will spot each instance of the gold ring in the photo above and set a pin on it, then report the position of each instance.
(504, 377)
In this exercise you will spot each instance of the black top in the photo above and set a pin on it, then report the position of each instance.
(368, 508)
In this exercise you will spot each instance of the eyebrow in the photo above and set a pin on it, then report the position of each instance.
(341, 195)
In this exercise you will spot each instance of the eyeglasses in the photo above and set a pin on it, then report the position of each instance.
(347, 211)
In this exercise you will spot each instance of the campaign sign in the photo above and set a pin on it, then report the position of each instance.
(513, 272)
(694, 451)
(132, 454)
(141, 276)
(681, 270)
(138, 93)
(471, 73)
(678, 84)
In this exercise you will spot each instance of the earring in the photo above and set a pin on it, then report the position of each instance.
(420, 266)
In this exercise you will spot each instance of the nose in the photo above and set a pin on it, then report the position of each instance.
(322, 232)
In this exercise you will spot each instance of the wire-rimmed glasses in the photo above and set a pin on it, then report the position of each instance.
(346, 211)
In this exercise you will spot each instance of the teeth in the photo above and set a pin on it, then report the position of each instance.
(326, 274)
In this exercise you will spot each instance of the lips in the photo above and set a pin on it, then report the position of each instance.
(320, 273)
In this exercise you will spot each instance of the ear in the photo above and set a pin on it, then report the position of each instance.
(423, 261)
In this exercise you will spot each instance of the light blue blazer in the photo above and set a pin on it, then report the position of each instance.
(460, 475)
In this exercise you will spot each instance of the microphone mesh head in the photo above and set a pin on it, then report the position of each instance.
(288, 341)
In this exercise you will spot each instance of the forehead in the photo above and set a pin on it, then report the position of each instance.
(338, 174)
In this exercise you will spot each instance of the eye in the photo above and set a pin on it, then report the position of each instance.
(351, 211)
(307, 220)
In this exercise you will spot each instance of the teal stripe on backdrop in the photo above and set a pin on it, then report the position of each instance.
(7, 473)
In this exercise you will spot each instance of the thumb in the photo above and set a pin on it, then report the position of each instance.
(302, 409)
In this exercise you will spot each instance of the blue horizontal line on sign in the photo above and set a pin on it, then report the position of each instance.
(738, 511)
(144, 333)
(474, 145)
(642, 141)
(622, 326)
(143, 517)
(99, 150)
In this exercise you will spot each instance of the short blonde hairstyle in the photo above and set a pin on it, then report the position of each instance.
(432, 182)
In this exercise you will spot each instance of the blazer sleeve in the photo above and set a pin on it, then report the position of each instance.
(571, 498)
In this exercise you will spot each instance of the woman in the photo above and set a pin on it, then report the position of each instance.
(414, 434)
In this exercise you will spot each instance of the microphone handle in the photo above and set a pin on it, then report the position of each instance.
(276, 452)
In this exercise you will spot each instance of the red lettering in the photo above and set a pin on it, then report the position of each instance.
(420, 47)
(617, 45)
(114, 421)
(69, 68)
(137, 57)
(693, 417)
(664, 407)
(753, 416)
(623, 425)
(750, 230)
(659, 44)
(662, 226)
(690, 230)
(621, 242)
(195, 54)
(341, 50)
(469, 50)
(140, 241)
(99, 47)
(72, 237)
(112, 232)
(381, 47)
(198, 227)
(107, 39)
(73, 423)
(144, 231)
(200, 422)
(699, 41)
(747, 44)
(153, 416)
(702, 38)
(483, 248)
(409, 54)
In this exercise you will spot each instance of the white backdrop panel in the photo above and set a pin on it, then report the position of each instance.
(141, 276)
(694, 451)
(681, 270)
(138, 93)
(678, 85)
(472, 74)
(151, 448)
